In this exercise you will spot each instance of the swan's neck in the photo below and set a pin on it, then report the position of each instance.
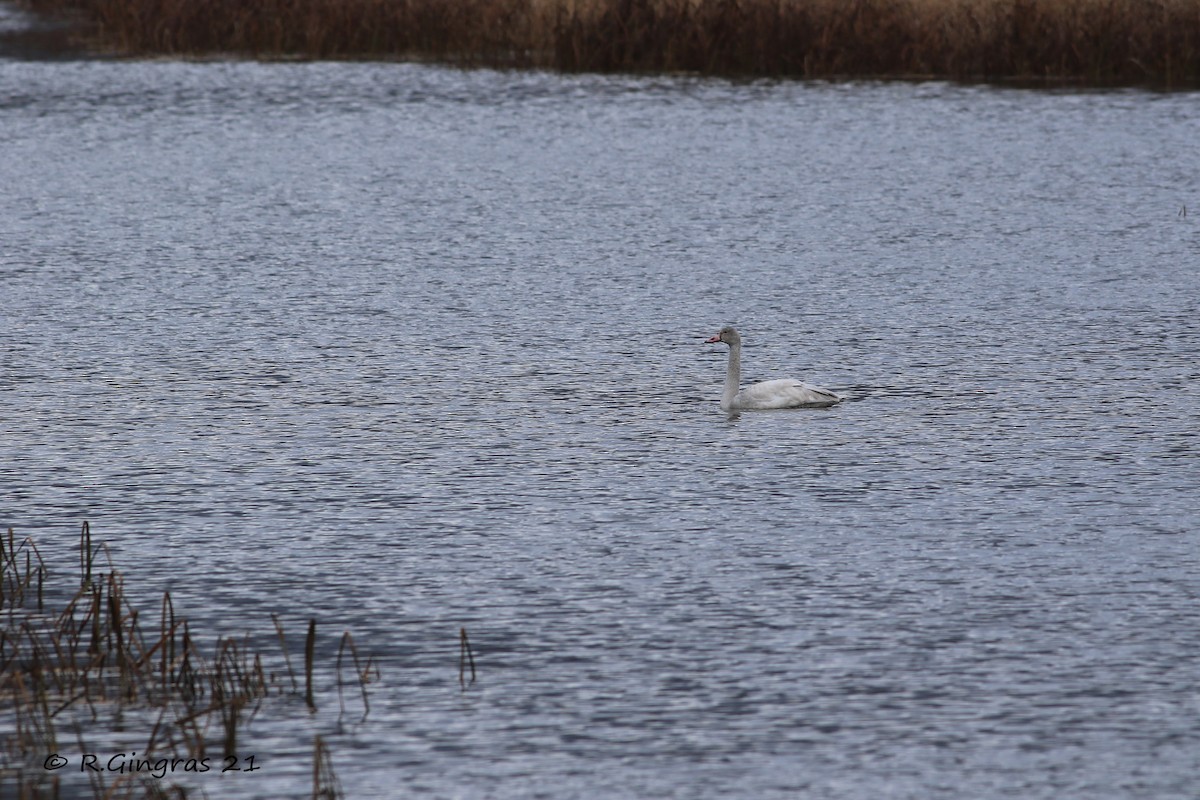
(733, 376)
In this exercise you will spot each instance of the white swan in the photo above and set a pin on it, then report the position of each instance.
(783, 393)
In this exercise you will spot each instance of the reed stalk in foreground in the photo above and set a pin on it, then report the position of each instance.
(64, 668)
(465, 657)
(1093, 41)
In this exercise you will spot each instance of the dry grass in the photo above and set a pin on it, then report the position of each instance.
(94, 660)
(1095, 41)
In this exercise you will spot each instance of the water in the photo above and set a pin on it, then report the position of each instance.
(407, 349)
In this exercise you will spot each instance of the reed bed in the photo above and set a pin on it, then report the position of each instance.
(1092, 41)
(97, 659)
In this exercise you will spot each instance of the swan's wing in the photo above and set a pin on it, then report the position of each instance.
(784, 393)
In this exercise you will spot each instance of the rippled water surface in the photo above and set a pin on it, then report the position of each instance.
(407, 349)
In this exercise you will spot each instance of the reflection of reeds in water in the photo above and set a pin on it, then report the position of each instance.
(1098, 41)
(96, 655)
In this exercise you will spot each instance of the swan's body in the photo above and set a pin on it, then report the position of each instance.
(782, 393)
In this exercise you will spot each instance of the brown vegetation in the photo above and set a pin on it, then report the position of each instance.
(1096, 41)
(92, 664)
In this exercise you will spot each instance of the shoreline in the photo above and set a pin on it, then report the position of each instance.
(1026, 43)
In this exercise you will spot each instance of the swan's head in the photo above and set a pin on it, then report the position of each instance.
(728, 335)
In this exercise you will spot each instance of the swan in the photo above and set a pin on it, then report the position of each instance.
(782, 393)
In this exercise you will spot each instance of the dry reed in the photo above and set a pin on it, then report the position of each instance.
(1093, 41)
(325, 784)
(465, 657)
(94, 654)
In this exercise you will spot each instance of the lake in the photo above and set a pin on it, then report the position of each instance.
(407, 349)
